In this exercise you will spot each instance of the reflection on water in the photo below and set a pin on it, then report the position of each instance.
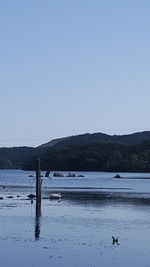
(37, 227)
(81, 230)
(84, 229)
(103, 199)
(37, 219)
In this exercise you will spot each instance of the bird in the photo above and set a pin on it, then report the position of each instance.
(55, 196)
(115, 240)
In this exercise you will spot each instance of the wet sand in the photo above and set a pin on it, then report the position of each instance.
(76, 231)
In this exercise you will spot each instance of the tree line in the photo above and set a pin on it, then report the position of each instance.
(94, 157)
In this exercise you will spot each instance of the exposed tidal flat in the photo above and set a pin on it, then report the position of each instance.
(78, 230)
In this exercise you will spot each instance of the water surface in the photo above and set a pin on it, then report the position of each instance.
(76, 231)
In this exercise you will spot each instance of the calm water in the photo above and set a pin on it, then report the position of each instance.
(77, 231)
(92, 181)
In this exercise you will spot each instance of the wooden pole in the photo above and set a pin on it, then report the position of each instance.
(38, 198)
(38, 179)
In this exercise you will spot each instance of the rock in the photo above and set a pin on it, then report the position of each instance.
(31, 196)
(117, 176)
(71, 174)
(47, 173)
(58, 174)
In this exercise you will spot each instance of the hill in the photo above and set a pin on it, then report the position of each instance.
(95, 157)
(86, 152)
(96, 152)
(83, 139)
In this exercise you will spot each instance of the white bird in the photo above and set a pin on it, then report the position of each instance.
(55, 196)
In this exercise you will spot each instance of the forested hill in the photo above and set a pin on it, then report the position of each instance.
(87, 152)
(130, 139)
(96, 157)
(14, 157)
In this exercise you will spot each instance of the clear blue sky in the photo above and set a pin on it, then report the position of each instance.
(73, 66)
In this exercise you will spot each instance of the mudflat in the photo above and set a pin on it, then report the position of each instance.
(77, 229)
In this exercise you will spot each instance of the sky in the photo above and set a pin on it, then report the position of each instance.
(69, 67)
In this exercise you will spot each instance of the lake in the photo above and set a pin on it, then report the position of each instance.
(76, 231)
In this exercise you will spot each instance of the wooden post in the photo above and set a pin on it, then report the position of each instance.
(38, 179)
(38, 198)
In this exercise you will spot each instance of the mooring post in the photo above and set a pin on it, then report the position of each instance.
(38, 199)
(38, 179)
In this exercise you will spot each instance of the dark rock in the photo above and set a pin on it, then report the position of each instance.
(47, 173)
(31, 196)
(70, 174)
(117, 176)
(58, 174)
